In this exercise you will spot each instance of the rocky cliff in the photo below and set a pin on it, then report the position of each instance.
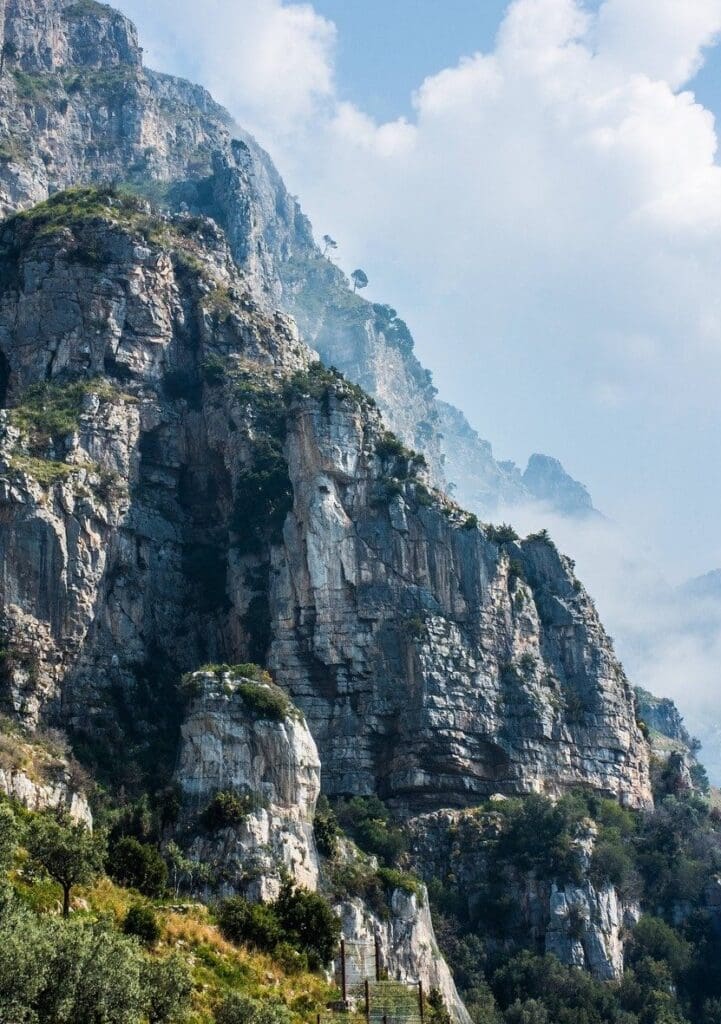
(243, 738)
(582, 922)
(183, 484)
(179, 488)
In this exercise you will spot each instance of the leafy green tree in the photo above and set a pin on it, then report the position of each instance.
(139, 866)
(528, 1012)
(359, 279)
(225, 810)
(94, 978)
(25, 955)
(655, 940)
(329, 244)
(67, 851)
(309, 923)
(183, 871)
(252, 924)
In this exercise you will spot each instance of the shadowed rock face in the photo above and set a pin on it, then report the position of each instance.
(433, 664)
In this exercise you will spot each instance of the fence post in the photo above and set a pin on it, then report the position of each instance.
(344, 987)
(378, 957)
(420, 999)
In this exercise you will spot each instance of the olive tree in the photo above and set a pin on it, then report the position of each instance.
(67, 851)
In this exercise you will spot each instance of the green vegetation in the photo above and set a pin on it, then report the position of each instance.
(48, 412)
(326, 829)
(370, 824)
(35, 87)
(142, 922)
(138, 865)
(225, 810)
(267, 700)
(46, 415)
(68, 852)
(122, 959)
(665, 858)
(503, 534)
(81, 8)
(321, 382)
(301, 919)
(252, 683)
(264, 493)
(395, 330)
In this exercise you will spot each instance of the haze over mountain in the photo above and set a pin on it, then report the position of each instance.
(287, 733)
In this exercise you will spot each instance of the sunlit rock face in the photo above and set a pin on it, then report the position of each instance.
(230, 744)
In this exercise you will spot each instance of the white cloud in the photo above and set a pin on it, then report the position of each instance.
(659, 38)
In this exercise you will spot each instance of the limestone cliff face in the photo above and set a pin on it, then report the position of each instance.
(260, 750)
(406, 944)
(181, 483)
(581, 923)
(435, 665)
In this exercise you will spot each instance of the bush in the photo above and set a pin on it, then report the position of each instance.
(249, 924)
(241, 1009)
(266, 700)
(369, 822)
(503, 534)
(611, 863)
(388, 446)
(142, 922)
(226, 810)
(289, 959)
(139, 866)
(326, 828)
(656, 940)
(538, 837)
(167, 986)
(309, 924)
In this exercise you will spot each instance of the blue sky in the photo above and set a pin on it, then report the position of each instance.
(386, 49)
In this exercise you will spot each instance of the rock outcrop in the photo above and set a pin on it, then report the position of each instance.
(582, 923)
(243, 738)
(547, 481)
(41, 776)
(407, 948)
